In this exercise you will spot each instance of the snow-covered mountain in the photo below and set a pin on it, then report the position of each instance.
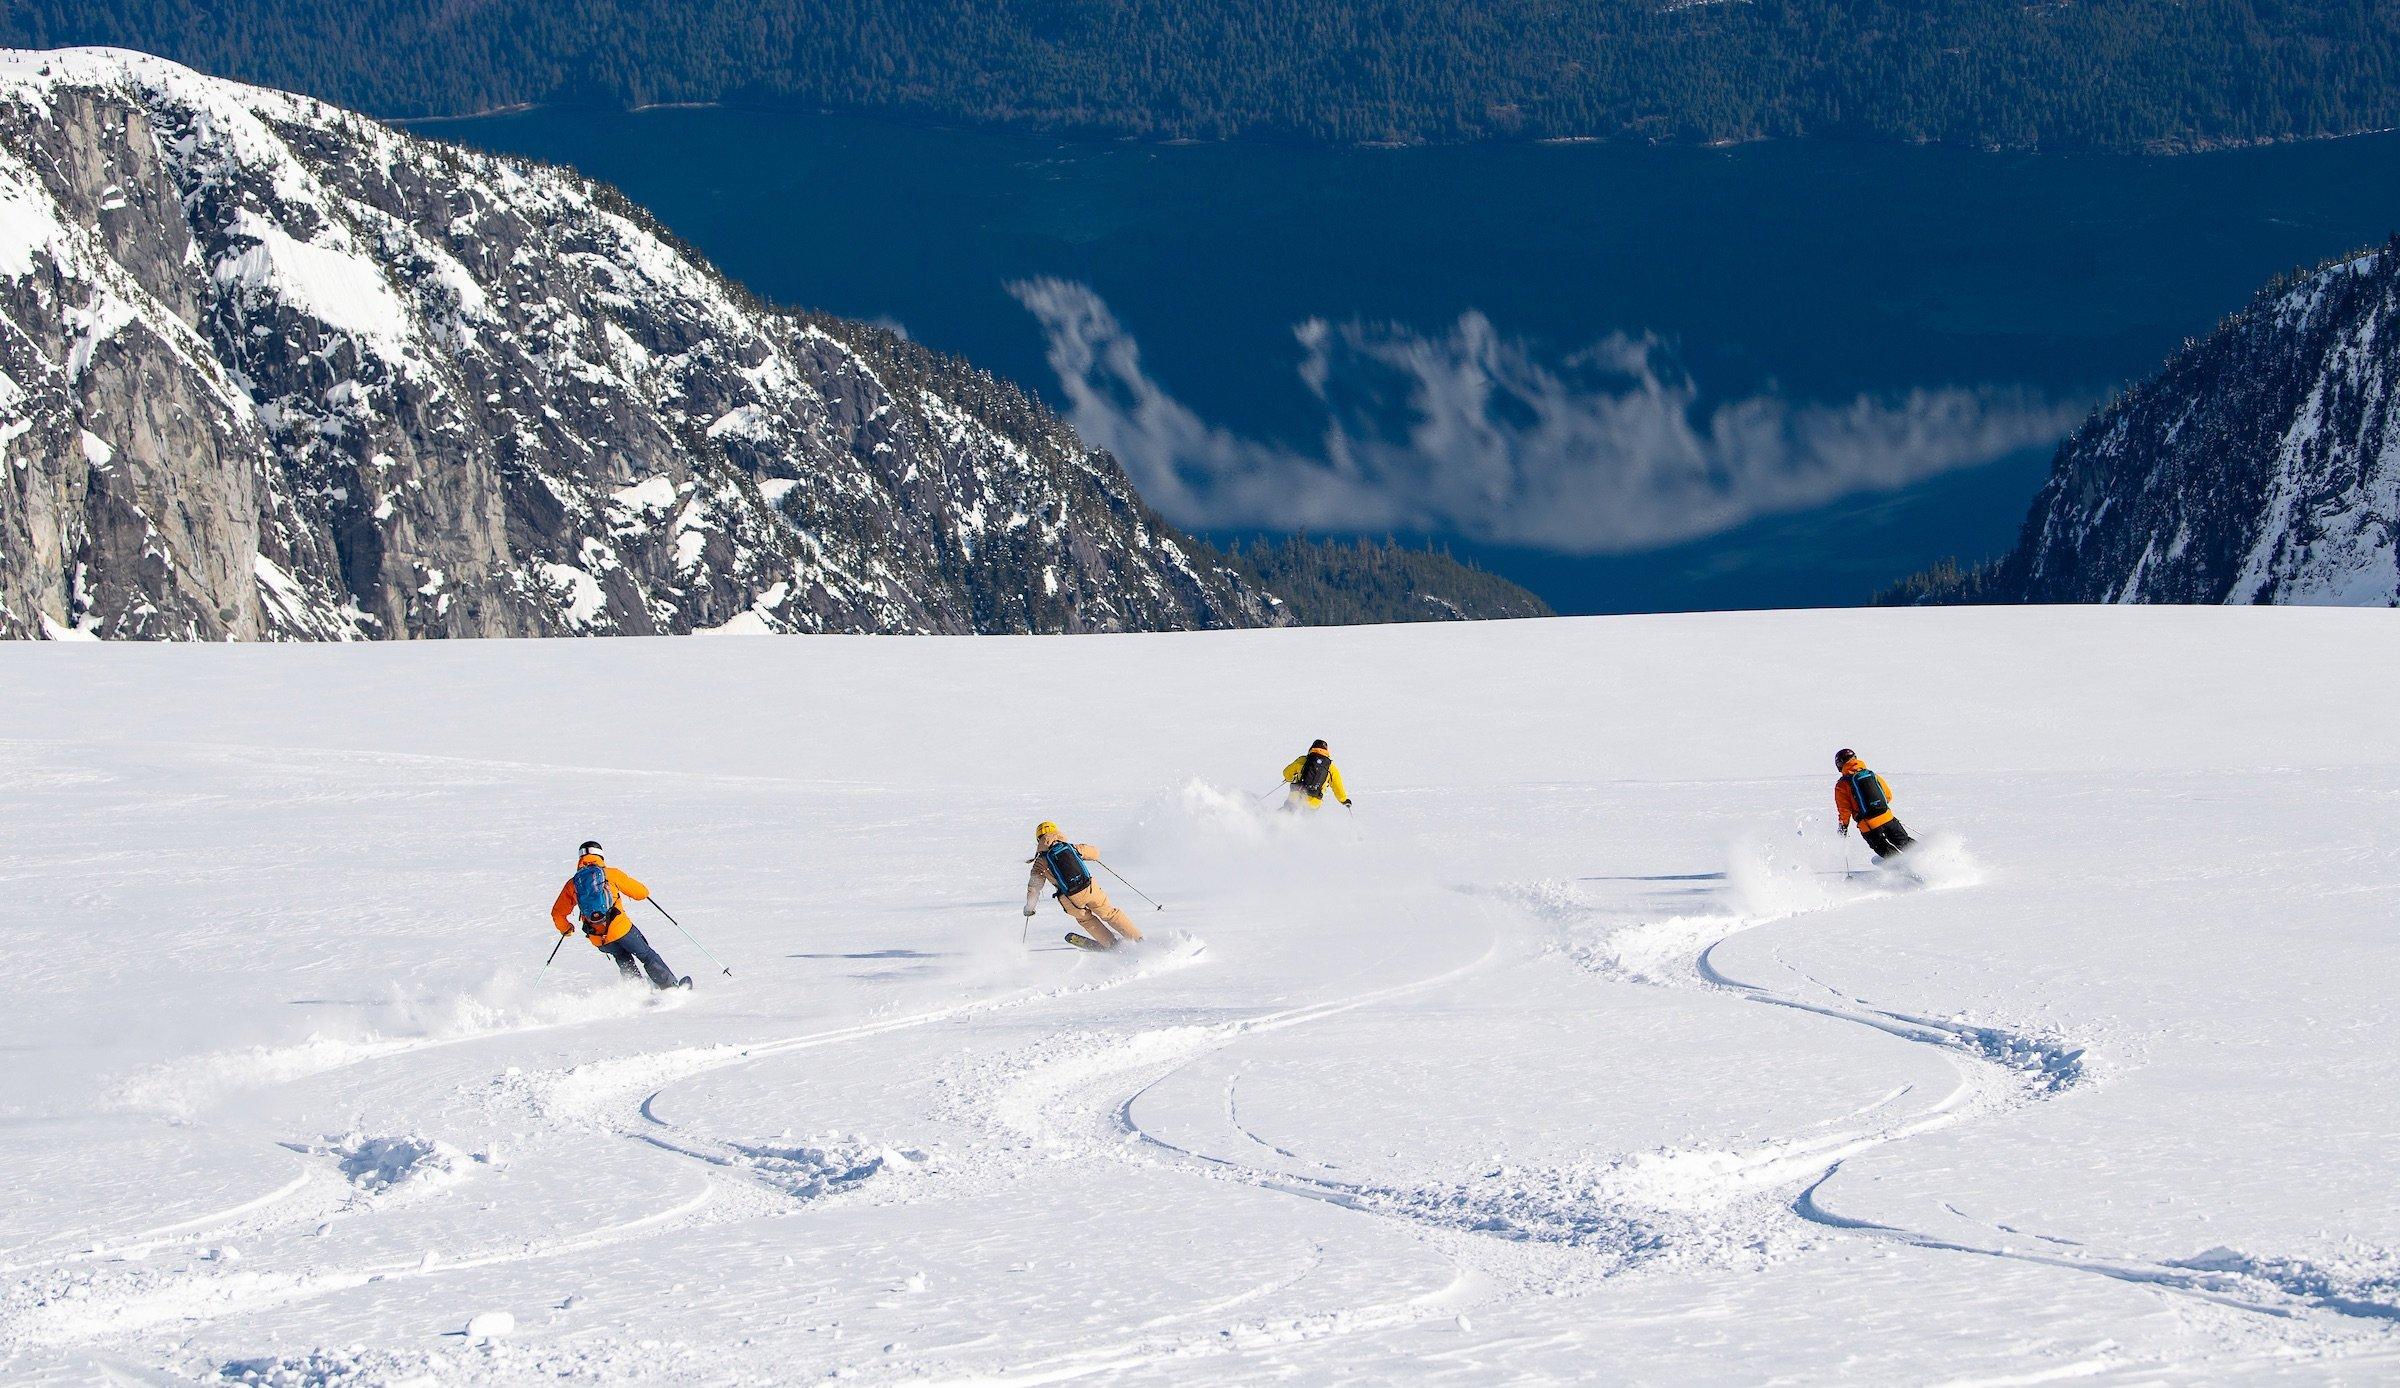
(2262, 465)
(274, 371)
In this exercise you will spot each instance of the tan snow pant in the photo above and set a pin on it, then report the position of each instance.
(1099, 917)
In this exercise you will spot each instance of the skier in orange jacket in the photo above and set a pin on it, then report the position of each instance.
(1862, 796)
(597, 893)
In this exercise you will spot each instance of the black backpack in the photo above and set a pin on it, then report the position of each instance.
(1314, 768)
(1066, 868)
(1867, 789)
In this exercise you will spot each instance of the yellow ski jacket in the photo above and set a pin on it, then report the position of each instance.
(1333, 781)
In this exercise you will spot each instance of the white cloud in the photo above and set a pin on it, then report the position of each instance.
(1469, 434)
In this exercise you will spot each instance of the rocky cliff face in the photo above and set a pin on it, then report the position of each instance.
(269, 370)
(2261, 466)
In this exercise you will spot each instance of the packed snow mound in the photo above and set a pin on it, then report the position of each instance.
(380, 1166)
(491, 1325)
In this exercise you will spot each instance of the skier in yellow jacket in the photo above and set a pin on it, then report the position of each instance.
(1063, 868)
(1312, 776)
(597, 893)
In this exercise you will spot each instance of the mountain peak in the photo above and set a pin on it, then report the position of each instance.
(281, 372)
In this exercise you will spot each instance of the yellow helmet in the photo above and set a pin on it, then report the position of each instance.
(1048, 828)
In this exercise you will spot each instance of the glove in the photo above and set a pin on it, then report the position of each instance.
(1845, 831)
(1029, 915)
(1345, 804)
(564, 929)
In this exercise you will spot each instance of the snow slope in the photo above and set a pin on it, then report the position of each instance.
(1576, 1056)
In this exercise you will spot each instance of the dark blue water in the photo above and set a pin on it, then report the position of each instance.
(1804, 276)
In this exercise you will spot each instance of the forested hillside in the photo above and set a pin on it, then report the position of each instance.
(2106, 73)
(1353, 583)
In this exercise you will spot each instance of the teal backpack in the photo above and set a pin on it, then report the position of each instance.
(1066, 868)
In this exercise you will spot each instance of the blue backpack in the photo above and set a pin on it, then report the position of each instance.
(1066, 868)
(1867, 789)
(592, 895)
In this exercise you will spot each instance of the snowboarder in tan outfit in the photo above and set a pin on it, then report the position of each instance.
(1063, 867)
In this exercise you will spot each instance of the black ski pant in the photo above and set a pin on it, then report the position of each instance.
(1886, 838)
(635, 957)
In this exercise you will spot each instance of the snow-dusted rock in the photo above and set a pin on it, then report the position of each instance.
(2262, 465)
(274, 371)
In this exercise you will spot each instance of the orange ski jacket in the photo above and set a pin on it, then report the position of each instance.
(620, 886)
(1845, 800)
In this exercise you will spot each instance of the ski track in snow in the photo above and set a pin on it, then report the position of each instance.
(1066, 1098)
(772, 1166)
(2001, 1070)
(618, 1096)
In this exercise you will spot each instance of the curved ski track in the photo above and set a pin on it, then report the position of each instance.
(56, 1306)
(2002, 1070)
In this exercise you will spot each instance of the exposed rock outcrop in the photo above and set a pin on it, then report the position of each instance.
(2261, 465)
(270, 370)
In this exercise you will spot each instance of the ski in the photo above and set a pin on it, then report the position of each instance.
(1082, 942)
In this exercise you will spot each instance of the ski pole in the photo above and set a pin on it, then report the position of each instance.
(1025, 931)
(1130, 887)
(693, 938)
(554, 949)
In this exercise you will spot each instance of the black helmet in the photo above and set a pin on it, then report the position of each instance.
(1840, 759)
(589, 846)
(1317, 746)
